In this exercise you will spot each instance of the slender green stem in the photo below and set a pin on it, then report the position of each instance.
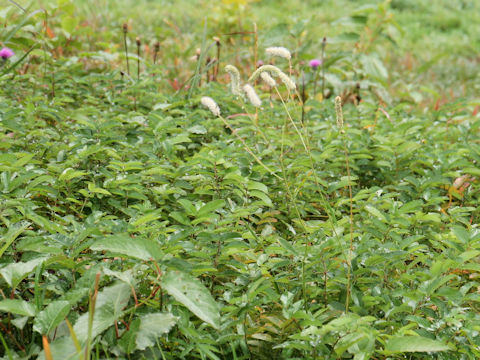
(350, 252)
(234, 132)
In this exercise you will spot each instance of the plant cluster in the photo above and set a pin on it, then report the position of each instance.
(263, 201)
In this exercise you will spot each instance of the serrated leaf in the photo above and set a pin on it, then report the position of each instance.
(136, 247)
(152, 326)
(401, 344)
(19, 307)
(49, 318)
(190, 292)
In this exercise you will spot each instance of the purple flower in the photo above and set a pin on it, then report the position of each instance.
(6, 53)
(315, 63)
(259, 63)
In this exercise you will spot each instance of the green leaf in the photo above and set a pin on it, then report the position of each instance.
(210, 207)
(401, 344)
(136, 247)
(376, 213)
(411, 206)
(69, 174)
(151, 216)
(44, 223)
(472, 171)
(288, 246)
(13, 232)
(190, 292)
(108, 309)
(19, 307)
(153, 326)
(98, 190)
(49, 318)
(16, 272)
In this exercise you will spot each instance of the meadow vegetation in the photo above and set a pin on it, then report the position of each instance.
(153, 206)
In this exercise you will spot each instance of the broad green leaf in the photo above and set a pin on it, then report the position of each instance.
(401, 344)
(44, 223)
(98, 190)
(125, 276)
(262, 196)
(411, 206)
(188, 206)
(472, 171)
(13, 232)
(136, 247)
(151, 216)
(16, 272)
(153, 326)
(190, 292)
(62, 348)
(19, 307)
(210, 207)
(376, 213)
(69, 174)
(108, 309)
(461, 234)
(49, 318)
(287, 246)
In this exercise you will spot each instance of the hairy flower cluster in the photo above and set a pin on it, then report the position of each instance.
(339, 113)
(234, 79)
(268, 79)
(279, 51)
(209, 103)
(274, 71)
(252, 95)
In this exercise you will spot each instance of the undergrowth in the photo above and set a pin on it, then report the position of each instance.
(138, 220)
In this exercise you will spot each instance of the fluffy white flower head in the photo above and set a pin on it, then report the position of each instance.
(279, 51)
(234, 79)
(268, 79)
(274, 71)
(252, 95)
(209, 103)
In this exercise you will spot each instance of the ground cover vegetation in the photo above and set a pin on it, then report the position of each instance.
(174, 185)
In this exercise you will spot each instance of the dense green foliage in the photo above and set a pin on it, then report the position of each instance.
(135, 224)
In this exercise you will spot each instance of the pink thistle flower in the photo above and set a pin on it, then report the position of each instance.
(6, 53)
(315, 63)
